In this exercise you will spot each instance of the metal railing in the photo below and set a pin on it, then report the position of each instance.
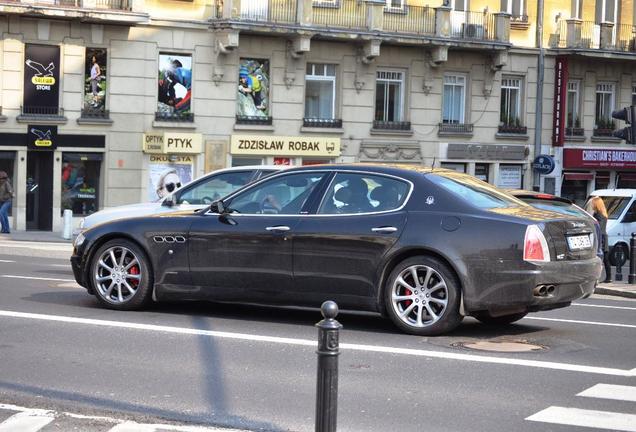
(98, 4)
(174, 116)
(324, 123)
(92, 113)
(411, 19)
(587, 35)
(512, 129)
(253, 120)
(574, 131)
(625, 37)
(31, 110)
(472, 25)
(456, 128)
(274, 11)
(349, 14)
(392, 125)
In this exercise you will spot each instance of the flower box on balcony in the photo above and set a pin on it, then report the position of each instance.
(464, 129)
(603, 132)
(574, 131)
(513, 129)
(174, 116)
(392, 125)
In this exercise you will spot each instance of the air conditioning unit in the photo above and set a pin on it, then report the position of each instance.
(473, 31)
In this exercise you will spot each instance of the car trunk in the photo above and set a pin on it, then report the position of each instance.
(567, 239)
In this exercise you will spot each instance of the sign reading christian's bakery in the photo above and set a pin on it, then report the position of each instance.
(285, 145)
(599, 158)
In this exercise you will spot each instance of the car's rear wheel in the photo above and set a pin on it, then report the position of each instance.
(422, 296)
(121, 276)
(486, 318)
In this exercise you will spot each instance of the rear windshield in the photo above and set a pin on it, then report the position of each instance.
(475, 191)
(615, 205)
(557, 206)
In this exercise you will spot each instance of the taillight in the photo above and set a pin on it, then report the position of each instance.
(535, 247)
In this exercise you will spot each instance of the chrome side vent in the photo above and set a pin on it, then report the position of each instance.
(169, 239)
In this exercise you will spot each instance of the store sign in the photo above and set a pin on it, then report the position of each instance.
(599, 158)
(172, 143)
(41, 137)
(41, 76)
(284, 145)
(486, 152)
(544, 164)
(560, 92)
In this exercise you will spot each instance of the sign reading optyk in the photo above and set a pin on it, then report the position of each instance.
(41, 77)
(543, 164)
(173, 143)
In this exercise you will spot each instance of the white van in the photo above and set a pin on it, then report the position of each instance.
(621, 215)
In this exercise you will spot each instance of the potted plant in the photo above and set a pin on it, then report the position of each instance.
(604, 127)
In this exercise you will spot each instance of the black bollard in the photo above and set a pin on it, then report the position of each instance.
(632, 260)
(327, 385)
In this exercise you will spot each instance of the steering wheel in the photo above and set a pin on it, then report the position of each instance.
(207, 200)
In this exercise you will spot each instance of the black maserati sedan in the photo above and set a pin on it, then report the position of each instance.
(423, 246)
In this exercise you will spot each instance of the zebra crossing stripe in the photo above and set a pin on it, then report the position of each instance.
(610, 391)
(132, 427)
(586, 418)
(27, 421)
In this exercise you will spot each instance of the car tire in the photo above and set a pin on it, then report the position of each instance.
(427, 306)
(121, 275)
(485, 318)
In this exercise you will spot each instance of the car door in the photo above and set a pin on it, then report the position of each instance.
(245, 252)
(338, 249)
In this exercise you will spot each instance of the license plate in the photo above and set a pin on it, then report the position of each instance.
(579, 242)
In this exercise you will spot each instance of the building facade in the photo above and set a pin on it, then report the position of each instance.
(102, 100)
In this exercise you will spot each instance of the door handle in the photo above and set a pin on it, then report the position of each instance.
(384, 229)
(278, 228)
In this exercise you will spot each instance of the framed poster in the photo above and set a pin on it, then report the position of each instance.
(41, 79)
(95, 79)
(253, 88)
(174, 93)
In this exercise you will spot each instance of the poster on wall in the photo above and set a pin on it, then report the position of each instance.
(41, 79)
(253, 88)
(175, 84)
(95, 81)
(510, 177)
(167, 173)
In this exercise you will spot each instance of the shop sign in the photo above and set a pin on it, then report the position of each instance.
(560, 92)
(41, 137)
(41, 76)
(284, 145)
(543, 164)
(172, 143)
(486, 152)
(599, 158)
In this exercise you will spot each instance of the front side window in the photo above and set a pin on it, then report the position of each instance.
(214, 187)
(351, 193)
(573, 117)
(285, 195)
(320, 91)
(510, 113)
(388, 96)
(604, 105)
(454, 99)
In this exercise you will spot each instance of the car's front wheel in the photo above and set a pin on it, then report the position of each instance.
(422, 296)
(121, 276)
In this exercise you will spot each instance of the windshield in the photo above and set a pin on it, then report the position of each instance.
(475, 191)
(615, 205)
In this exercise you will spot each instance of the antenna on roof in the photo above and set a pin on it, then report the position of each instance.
(433, 164)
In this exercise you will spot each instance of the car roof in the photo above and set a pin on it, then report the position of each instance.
(395, 169)
(614, 192)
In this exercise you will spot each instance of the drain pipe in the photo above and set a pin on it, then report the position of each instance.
(538, 122)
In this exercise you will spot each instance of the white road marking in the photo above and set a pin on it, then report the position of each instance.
(61, 247)
(312, 343)
(27, 421)
(604, 306)
(37, 278)
(6, 261)
(611, 391)
(581, 322)
(586, 418)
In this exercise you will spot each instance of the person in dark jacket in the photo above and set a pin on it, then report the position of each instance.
(6, 198)
(596, 207)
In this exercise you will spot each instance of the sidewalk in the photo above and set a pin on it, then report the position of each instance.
(617, 288)
(35, 236)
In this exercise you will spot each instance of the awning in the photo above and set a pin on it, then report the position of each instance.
(578, 176)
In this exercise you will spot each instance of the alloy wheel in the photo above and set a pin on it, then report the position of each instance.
(117, 275)
(419, 296)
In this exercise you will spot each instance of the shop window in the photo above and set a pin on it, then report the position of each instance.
(459, 167)
(389, 98)
(320, 92)
(454, 99)
(80, 182)
(316, 161)
(510, 110)
(575, 187)
(244, 161)
(605, 97)
(602, 179)
(626, 180)
(573, 121)
(481, 171)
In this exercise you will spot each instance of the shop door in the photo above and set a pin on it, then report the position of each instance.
(39, 189)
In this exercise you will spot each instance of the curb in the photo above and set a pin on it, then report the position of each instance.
(615, 292)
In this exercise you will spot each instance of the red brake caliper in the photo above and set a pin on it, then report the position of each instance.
(134, 270)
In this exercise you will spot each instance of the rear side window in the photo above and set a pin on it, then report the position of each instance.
(475, 191)
(351, 193)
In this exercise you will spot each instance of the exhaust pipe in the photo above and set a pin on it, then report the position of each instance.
(550, 290)
(540, 291)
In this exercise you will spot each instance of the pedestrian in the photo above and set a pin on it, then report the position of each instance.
(596, 207)
(6, 197)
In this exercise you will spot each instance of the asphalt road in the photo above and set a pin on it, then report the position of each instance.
(254, 368)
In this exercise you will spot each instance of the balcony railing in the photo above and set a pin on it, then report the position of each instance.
(253, 120)
(456, 128)
(574, 131)
(472, 25)
(174, 116)
(323, 123)
(97, 114)
(351, 14)
(274, 11)
(590, 35)
(392, 125)
(42, 111)
(513, 129)
(411, 19)
(87, 4)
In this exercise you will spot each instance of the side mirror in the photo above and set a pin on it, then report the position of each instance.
(169, 201)
(217, 207)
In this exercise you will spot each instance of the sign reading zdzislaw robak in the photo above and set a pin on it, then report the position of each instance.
(285, 145)
(173, 143)
(41, 77)
(599, 158)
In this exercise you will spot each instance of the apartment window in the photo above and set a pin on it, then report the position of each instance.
(576, 8)
(607, 11)
(604, 105)
(389, 96)
(516, 8)
(458, 5)
(397, 5)
(511, 101)
(454, 103)
(573, 119)
(320, 91)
